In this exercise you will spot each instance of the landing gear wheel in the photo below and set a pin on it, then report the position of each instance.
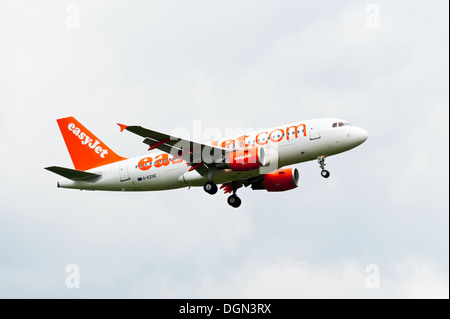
(325, 173)
(210, 188)
(234, 201)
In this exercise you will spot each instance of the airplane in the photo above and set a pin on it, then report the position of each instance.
(257, 159)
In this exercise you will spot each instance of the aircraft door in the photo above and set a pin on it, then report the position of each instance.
(314, 132)
(123, 167)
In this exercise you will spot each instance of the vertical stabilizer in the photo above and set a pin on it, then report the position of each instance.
(86, 150)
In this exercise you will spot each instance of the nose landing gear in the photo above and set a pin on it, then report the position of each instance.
(324, 172)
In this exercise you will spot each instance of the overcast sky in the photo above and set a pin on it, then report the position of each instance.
(381, 65)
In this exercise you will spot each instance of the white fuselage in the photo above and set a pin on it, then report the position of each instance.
(289, 144)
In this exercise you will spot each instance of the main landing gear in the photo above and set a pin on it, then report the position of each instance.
(233, 200)
(210, 188)
(324, 172)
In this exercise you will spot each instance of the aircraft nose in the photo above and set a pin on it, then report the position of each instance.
(362, 135)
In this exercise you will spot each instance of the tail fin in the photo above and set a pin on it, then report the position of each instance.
(86, 150)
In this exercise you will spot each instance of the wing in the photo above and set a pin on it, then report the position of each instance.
(200, 156)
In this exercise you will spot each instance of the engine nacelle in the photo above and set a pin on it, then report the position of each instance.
(246, 159)
(281, 180)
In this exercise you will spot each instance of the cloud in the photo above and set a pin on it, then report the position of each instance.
(290, 278)
(421, 280)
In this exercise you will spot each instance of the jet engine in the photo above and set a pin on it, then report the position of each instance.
(279, 181)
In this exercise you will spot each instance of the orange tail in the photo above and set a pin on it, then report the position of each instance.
(86, 150)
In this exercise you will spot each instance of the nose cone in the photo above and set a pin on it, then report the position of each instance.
(362, 135)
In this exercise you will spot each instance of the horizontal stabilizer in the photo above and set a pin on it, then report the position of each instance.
(73, 174)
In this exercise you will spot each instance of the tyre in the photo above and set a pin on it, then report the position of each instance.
(325, 173)
(210, 188)
(234, 201)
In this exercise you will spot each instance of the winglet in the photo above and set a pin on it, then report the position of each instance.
(122, 127)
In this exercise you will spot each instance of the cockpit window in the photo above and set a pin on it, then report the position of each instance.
(339, 124)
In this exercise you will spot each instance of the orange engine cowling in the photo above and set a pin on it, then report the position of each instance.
(246, 159)
(281, 180)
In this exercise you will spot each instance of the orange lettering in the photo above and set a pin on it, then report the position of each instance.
(296, 130)
(281, 135)
(161, 160)
(257, 139)
(241, 141)
(145, 163)
(227, 142)
(176, 161)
